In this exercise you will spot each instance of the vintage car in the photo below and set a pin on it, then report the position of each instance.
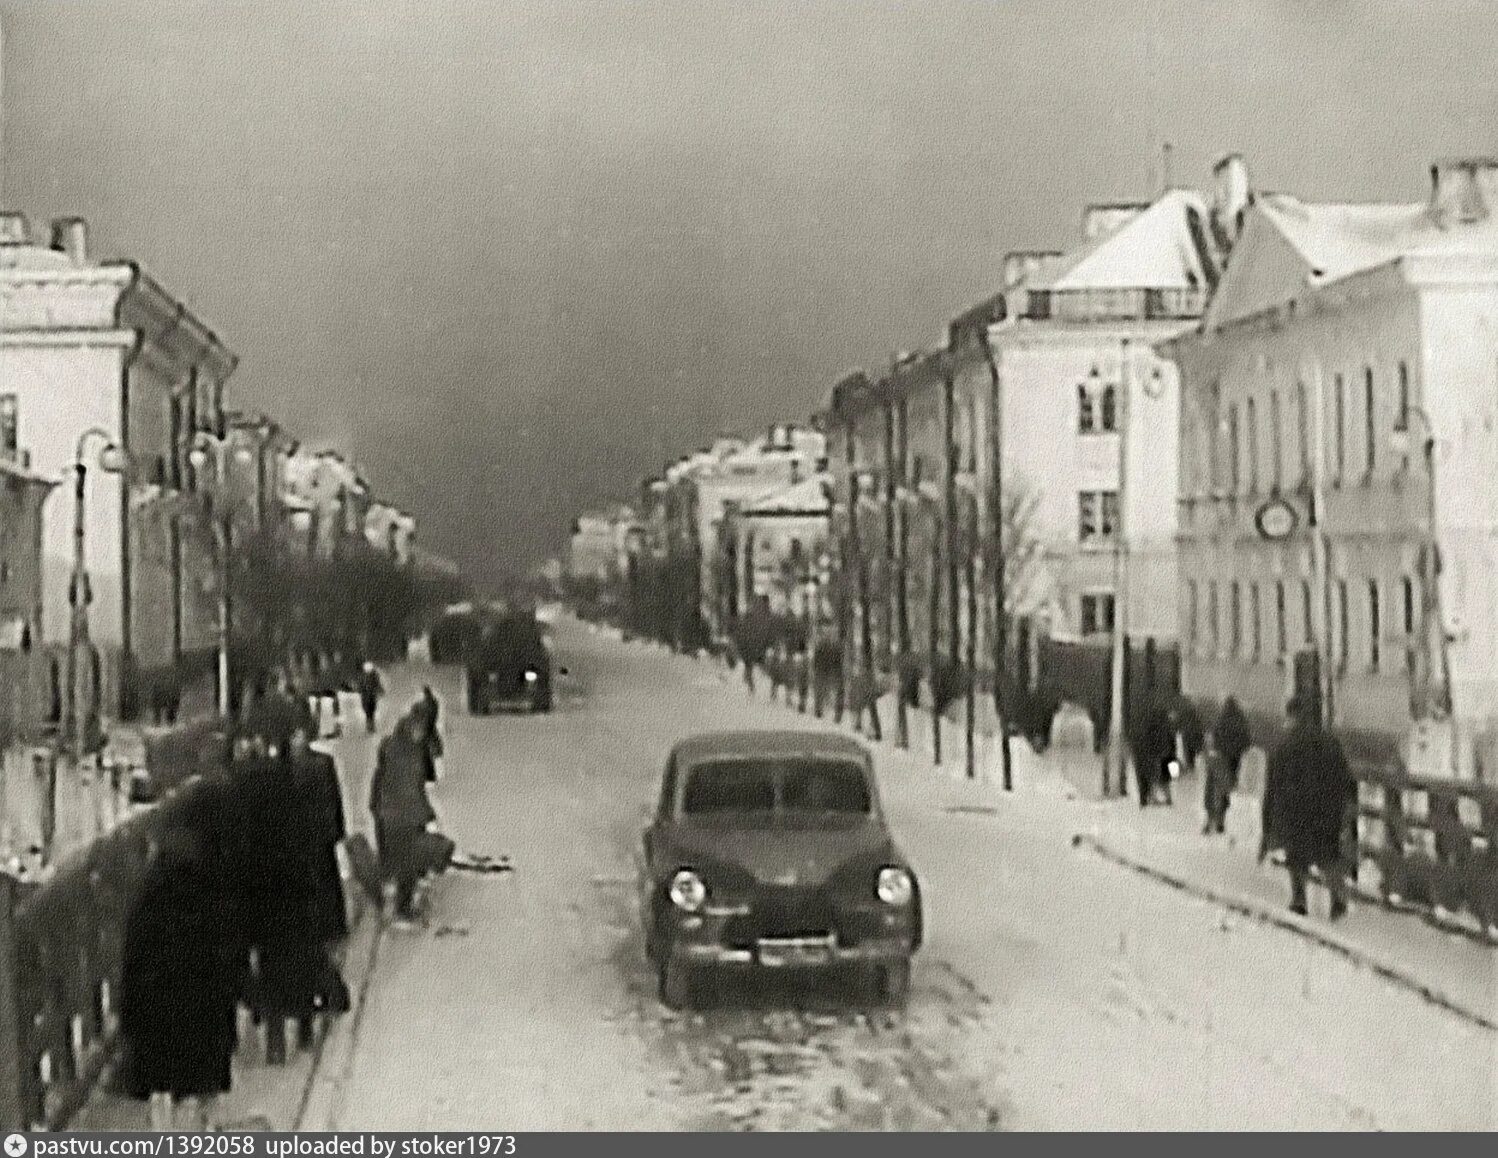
(509, 665)
(770, 850)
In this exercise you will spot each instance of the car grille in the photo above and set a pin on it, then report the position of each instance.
(783, 912)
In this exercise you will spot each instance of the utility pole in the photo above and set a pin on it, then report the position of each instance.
(1114, 766)
(949, 455)
(894, 575)
(902, 577)
(1000, 561)
(1320, 558)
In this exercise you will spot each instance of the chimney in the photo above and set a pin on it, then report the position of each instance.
(14, 229)
(1463, 190)
(70, 236)
(1101, 220)
(1023, 263)
(1231, 196)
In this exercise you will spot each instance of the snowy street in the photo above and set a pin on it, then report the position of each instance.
(1056, 990)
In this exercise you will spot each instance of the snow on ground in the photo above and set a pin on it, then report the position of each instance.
(1056, 990)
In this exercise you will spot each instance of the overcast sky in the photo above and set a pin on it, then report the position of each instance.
(515, 255)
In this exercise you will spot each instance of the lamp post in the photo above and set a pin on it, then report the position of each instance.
(1431, 620)
(1114, 765)
(207, 448)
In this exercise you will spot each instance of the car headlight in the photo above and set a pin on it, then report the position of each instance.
(688, 893)
(895, 886)
(531, 677)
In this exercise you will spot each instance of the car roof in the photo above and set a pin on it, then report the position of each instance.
(769, 742)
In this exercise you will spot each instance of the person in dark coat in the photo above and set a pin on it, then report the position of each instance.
(1229, 741)
(398, 801)
(177, 997)
(273, 716)
(316, 780)
(1309, 796)
(370, 690)
(1154, 747)
(430, 709)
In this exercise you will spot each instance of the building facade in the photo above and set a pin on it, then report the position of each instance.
(1343, 342)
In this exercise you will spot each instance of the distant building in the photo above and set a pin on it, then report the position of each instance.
(1341, 338)
(776, 547)
(31, 682)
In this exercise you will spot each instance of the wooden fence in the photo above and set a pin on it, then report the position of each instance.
(1431, 846)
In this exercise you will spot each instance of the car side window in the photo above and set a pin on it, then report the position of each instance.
(668, 791)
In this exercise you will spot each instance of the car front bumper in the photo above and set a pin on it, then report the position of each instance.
(886, 936)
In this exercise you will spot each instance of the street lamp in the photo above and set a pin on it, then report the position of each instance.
(1431, 617)
(220, 452)
(112, 460)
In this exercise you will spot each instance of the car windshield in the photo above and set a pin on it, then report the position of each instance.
(796, 785)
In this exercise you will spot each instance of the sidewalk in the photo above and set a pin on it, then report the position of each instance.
(1449, 969)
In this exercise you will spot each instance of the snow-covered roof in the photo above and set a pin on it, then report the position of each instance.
(1337, 239)
(1153, 248)
(809, 496)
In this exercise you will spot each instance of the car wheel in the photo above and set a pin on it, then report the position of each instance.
(678, 984)
(892, 982)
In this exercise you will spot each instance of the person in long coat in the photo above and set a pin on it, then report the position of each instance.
(371, 688)
(401, 810)
(1309, 796)
(177, 993)
(315, 775)
(1229, 741)
(1154, 746)
(430, 709)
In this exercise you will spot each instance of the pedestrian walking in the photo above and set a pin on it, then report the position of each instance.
(177, 993)
(398, 801)
(430, 710)
(1154, 748)
(371, 688)
(325, 921)
(1310, 795)
(1226, 745)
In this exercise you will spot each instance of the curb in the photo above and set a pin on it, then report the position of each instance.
(323, 1095)
(1394, 974)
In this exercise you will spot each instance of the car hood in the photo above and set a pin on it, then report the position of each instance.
(782, 855)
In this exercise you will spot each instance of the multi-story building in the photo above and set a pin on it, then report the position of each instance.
(1344, 342)
(99, 360)
(1087, 408)
(779, 542)
(30, 679)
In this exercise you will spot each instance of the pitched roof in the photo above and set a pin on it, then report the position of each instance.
(1155, 248)
(809, 496)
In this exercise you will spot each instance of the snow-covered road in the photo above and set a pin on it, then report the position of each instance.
(1055, 991)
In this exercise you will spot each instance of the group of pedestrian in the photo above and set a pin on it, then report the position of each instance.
(242, 905)
(242, 902)
(1309, 806)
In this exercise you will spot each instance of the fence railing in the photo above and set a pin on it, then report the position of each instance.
(61, 943)
(1430, 845)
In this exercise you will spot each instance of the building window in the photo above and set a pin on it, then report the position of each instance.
(1276, 449)
(1407, 593)
(1251, 434)
(1097, 614)
(1192, 636)
(1307, 614)
(1303, 429)
(1212, 618)
(1235, 617)
(10, 439)
(1097, 515)
(1344, 623)
(1110, 409)
(1339, 428)
(1402, 413)
(1086, 417)
(1214, 436)
(1234, 455)
(1097, 410)
(1281, 628)
(1375, 627)
(1256, 630)
(1369, 424)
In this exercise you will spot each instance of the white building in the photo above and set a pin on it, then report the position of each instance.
(1342, 337)
(780, 543)
(1075, 363)
(88, 346)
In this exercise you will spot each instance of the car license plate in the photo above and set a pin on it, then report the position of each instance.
(793, 952)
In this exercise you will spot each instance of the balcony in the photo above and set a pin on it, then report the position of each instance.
(1114, 305)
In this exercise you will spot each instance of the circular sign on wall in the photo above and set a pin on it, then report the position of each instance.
(1276, 520)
